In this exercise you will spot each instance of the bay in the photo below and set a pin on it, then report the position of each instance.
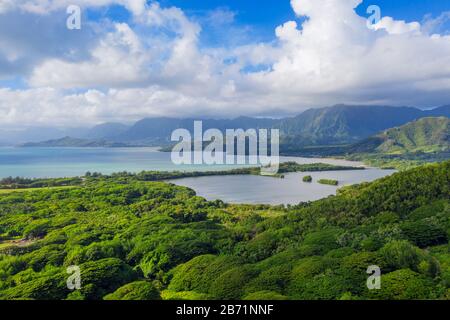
(70, 162)
(268, 190)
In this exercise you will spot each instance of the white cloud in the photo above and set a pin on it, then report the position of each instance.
(117, 61)
(397, 27)
(43, 7)
(157, 65)
(435, 25)
(335, 58)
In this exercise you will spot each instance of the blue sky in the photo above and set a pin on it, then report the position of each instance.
(184, 58)
(271, 13)
(257, 19)
(265, 15)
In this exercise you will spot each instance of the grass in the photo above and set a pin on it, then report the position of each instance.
(15, 243)
(7, 191)
(4, 245)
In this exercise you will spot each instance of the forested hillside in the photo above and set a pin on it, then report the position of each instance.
(321, 126)
(423, 135)
(151, 240)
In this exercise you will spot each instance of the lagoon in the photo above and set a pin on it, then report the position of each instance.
(70, 162)
(274, 191)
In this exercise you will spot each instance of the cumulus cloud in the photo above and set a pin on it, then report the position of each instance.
(27, 40)
(117, 61)
(334, 57)
(397, 27)
(156, 65)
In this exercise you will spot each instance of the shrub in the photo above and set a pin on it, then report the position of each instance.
(272, 279)
(325, 286)
(167, 256)
(427, 211)
(353, 270)
(400, 255)
(423, 233)
(95, 251)
(403, 284)
(322, 241)
(387, 217)
(139, 290)
(101, 277)
(307, 179)
(230, 285)
(303, 272)
(42, 288)
(51, 255)
(259, 248)
(199, 273)
(36, 229)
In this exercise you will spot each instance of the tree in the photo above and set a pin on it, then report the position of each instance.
(139, 290)
(403, 284)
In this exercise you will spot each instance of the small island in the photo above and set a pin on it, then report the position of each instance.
(307, 179)
(329, 182)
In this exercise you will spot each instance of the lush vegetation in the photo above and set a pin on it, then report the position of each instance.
(323, 131)
(424, 135)
(287, 167)
(413, 144)
(135, 239)
(332, 125)
(307, 179)
(330, 182)
(400, 161)
(22, 183)
(346, 124)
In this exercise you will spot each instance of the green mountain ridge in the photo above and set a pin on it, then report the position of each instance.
(323, 126)
(337, 125)
(424, 135)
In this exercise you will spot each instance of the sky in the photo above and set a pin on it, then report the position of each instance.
(135, 58)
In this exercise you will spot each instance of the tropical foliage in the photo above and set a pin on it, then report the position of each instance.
(135, 239)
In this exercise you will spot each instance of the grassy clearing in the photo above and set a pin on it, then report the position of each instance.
(7, 191)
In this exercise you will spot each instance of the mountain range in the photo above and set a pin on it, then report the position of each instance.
(75, 142)
(340, 124)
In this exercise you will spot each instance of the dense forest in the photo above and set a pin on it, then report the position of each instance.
(426, 135)
(137, 239)
(422, 141)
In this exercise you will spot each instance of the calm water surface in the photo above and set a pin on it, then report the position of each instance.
(69, 162)
(267, 190)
